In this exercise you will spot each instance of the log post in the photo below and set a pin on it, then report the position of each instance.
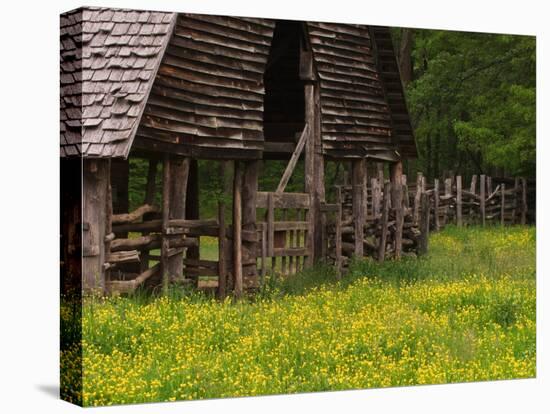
(249, 247)
(237, 230)
(502, 202)
(416, 211)
(359, 175)
(384, 222)
(424, 224)
(482, 187)
(179, 172)
(523, 201)
(375, 192)
(515, 201)
(338, 233)
(459, 201)
(96, 176)
(436, 204)
(222, 262)
(165, 244)
(473, 184)
(192, 210)
(397, 203)
(149, 199)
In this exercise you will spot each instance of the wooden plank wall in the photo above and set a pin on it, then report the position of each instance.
(208, 93)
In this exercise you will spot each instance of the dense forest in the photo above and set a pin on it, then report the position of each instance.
(471, 97)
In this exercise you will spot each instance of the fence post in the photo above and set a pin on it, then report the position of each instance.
(416, 211)
(436, 204)
(502, 200)
(338, 233)
(482, 187)
(384, 223)
(523, 200)
(424, 224)
(459, 200)
(222, 265)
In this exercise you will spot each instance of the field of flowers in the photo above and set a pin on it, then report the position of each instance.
(466, 312)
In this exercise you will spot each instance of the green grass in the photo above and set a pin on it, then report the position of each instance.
(465, 312)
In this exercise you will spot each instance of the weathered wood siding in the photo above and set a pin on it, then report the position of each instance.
(355, 117)
(403, 134)
(207, 98)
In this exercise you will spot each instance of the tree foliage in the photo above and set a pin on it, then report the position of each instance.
(472, 101)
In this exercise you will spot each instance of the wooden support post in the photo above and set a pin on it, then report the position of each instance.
(523, 201)
(314, 165)
(96, 174)
(179, 172)
(338, 233)
(237, 230)
(416, 211)
(397, 203)
(165, 246)
(436, 204)
(359, 175)
(222, 260)
(459, 201)
(473, 184)
(482, 187)
(149, 199)
(489, 185)
(250, 247)
(502, 202)
(384, 222)
(109, 235)
(424, 224)
(375, 191)
(405, 191)
(515, 201)
(192, 210)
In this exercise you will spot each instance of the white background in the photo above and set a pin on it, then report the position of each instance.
(29, 173)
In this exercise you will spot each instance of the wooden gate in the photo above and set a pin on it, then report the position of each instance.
(284, 234)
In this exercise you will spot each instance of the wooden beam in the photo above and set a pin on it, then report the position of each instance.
(502, 202)
(384, 222)
(250, 242)
(436, 204)
(165, 219)
(237, 229)
(179, 172)
(459, 201)
(96, 176)
(338, 233)
(359, 176)
(523, 201)
(482, 188)
(424, 224)
(222, 260)
(150, 191)
(134, 215)
(192, 209)
(396, 178)
(293, 160)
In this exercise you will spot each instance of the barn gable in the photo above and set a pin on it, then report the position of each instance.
(355, 116)
(402, 131)
(108, 61)
(207, 98)
(195, 85)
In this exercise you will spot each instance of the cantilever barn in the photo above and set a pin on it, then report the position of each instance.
(175, 88)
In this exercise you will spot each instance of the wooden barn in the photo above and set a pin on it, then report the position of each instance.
(175, 88)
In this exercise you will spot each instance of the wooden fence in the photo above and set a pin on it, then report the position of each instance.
(398, 218)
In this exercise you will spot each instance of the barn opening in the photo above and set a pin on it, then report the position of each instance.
(284, 101)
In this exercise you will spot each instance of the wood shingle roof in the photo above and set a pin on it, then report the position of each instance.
(109, 58)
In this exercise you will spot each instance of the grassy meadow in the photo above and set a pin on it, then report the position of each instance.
(465, 312)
